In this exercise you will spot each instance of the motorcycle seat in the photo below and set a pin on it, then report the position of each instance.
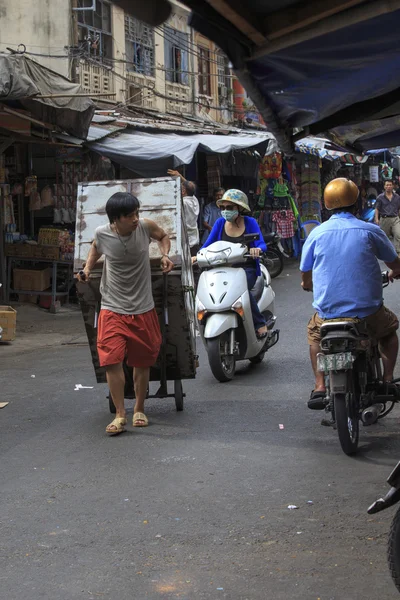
(336, 329)
(258, 288)
(269, 237)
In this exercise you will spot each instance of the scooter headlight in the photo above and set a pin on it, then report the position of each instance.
(238, 307)
(201, 311)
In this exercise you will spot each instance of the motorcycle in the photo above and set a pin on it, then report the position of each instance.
(355, 390)
(223, 308)
(273, 258)
(392, 498)
(368, 212)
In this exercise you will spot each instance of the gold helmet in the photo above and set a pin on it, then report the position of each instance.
(339, 193)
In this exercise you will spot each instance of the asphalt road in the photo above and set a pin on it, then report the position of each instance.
(196, 505)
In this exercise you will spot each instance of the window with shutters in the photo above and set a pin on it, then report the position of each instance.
(224, 77)
(139, 46)
(176, 53)
(204, 71)
(94, 30)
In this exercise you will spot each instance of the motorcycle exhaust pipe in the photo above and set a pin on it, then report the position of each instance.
(370, 415)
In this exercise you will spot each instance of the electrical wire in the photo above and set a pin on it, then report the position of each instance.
(83, 55)
(186, 47)
(163, 96)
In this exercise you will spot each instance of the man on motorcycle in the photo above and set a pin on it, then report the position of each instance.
(339, 264)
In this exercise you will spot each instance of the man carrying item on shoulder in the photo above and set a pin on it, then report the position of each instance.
(191, 209)
(128, 324)
(339, 263)
(387, 209)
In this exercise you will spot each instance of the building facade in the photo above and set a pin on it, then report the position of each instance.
(169, 68)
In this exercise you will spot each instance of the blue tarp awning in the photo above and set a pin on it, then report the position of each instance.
(338, 76)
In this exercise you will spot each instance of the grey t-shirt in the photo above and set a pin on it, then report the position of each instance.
(126, 281)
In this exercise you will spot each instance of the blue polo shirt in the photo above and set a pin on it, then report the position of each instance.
(343, 255)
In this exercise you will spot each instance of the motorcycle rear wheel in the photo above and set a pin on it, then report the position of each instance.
(347, 423)
(222, 364)
(393, 550)
(273, 261)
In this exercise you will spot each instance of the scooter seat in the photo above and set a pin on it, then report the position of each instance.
(269, 237)
(258, 288)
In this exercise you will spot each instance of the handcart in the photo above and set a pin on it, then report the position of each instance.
(173, 293)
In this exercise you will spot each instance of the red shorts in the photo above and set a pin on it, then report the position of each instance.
(136, 338)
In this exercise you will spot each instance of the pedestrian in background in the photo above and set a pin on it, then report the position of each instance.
(387, 211)
(191, 209)
(211, 213)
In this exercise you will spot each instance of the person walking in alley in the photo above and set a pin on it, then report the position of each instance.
(387, 210)
(191, 210)
(211, 214)
(128, 326)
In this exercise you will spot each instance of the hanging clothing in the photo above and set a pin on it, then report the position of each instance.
(213, 173)
(271, 166)
(284, 223)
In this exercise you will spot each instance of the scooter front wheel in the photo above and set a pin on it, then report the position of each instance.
(222, 364)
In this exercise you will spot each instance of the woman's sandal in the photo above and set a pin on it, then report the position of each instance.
(138, 416)
(263, 335)
(118, 423)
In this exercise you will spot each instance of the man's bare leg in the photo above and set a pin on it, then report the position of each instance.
(389, 348)
(319, 377)
(141, 380)
(116, 383)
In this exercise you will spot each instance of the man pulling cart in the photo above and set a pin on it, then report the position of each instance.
(127, 326)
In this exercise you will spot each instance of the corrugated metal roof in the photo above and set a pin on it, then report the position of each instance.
(102, 118)
(98, 132)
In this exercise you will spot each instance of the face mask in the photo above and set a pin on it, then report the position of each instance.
(230, 215)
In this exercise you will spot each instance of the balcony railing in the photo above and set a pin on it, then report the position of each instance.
(96, 79)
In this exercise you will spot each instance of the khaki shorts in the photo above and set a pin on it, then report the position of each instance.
(380, 325)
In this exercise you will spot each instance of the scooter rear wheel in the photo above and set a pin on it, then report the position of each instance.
(273, 261)
(222, 364)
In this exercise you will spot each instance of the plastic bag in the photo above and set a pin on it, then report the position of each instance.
(34, 201)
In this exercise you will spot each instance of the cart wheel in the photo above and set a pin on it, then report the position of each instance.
(111, 405)
(179, 395)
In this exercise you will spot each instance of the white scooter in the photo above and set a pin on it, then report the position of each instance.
(223, 307)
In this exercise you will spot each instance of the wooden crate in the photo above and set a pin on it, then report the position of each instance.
(35, 280)
(8, 322)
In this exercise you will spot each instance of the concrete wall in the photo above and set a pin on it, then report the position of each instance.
(44, 26)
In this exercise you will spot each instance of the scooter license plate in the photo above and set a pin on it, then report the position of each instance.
(342, 361)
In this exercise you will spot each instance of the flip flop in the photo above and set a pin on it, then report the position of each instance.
(261, 336)
(317, 400)
(119, 424)
(138, 416)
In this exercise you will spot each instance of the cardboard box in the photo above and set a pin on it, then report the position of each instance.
(48, 252)
(32, 280)
(8, 322)
(19, 250)
(28, 298)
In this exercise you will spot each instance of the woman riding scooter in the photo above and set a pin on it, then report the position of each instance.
(233, 225)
